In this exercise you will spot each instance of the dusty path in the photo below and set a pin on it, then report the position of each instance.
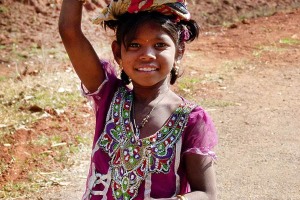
(259, 141)
(254, 74)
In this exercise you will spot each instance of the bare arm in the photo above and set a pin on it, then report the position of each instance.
(201, 176)
(81, 53)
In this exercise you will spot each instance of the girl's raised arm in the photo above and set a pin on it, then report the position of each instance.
(81, 53)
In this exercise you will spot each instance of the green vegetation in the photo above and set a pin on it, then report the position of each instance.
(187, 84)
(279, 47)
(262, 49)
(40, 92)
(289, 41)
(16, 190)
(3, 9)
(32, 91)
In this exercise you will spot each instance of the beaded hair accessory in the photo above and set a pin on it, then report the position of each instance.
(117, 8)
(185, 34)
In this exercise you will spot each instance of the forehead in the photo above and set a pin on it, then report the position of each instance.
(151, 30)
(150, 25)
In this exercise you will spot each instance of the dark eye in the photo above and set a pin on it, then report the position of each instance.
(134, 45)
(160, 45)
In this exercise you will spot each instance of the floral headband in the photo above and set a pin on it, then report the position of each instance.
(166, 7)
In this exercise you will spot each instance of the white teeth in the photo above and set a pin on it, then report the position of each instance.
(147, 69)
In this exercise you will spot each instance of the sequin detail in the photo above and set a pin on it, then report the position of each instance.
(132, 159)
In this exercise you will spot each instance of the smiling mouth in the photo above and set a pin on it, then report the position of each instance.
(147, 69)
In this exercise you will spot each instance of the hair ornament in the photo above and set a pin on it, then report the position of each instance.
(185, 34)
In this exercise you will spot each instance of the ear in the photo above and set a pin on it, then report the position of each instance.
(116, 49)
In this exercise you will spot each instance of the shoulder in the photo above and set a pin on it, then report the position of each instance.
(197, 113)
(200, 132)
(199, 121)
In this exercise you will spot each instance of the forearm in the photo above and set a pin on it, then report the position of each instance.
(81, 53)
(70, 16)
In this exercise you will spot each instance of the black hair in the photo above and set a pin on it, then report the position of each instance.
(127, 24)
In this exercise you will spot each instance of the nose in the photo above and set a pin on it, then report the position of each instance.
(147, 53)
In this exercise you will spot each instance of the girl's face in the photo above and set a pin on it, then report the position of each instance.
(150, 56)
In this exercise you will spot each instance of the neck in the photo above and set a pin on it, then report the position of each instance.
(146, 100)
(148, 94)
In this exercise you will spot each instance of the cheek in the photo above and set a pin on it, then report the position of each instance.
(127, 62)
(126, 57)
(169, 57)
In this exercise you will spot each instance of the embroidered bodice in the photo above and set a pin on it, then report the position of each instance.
(132, 158)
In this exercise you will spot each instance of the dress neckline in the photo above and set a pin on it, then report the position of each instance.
(181, 106)
(168, 120)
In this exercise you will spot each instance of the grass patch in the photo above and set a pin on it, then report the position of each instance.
(188, 84)
(289, 41)
(38, 74)
(3, 78)
(80, 139)
(15, 190)
(276, 47)
(2, 46)
(41, 91)
(263, 49)
(53, 152)
(3, 9)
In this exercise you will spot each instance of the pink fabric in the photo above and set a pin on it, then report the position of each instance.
(200, 134)
(199, 137)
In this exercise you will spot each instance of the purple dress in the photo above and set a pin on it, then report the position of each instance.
(124, 166)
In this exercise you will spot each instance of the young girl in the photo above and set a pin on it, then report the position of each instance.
(149, 142)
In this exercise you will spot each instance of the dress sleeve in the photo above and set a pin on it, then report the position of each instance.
(200, 136)
(105, 90)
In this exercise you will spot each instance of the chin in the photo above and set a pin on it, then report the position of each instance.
(151, 83)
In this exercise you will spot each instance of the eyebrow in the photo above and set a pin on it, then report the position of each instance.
(158, 37)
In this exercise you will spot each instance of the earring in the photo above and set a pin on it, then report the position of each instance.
(176, 67)
(174, 73)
